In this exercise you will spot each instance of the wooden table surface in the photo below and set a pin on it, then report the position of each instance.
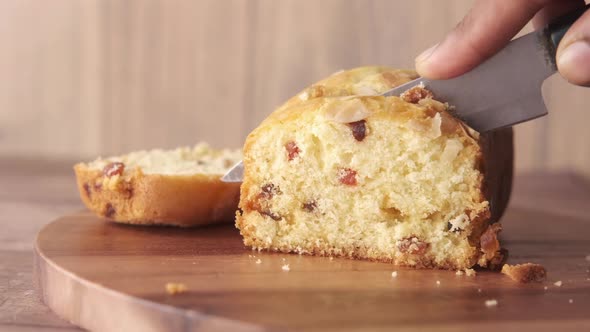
(35, 192)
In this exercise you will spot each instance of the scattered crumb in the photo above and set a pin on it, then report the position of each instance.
(571, 301)
(491, 303)
(459, 273)
(558, 283)
(479, 290)
(394, 274)
(470, 272)
(249, 256)
(545, 288)
(438, 282)
(286, 267)
(525, 273)
(258, 261)
(588, 258)
(331, 258)
(175, 288)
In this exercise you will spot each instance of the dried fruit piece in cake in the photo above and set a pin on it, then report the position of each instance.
(292, 150)
(359, 129)
(415, 94)
(114, 168)
(347, 176)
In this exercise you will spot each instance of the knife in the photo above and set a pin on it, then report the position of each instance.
(502, 91)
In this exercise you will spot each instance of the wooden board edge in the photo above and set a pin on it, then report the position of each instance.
(97, 308)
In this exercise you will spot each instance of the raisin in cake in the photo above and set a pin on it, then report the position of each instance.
(340, 171)
(179, 187)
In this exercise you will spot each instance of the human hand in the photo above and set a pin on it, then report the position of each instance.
(490, 25)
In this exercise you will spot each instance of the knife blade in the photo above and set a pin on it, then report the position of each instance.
(235, 174)
(502, 91)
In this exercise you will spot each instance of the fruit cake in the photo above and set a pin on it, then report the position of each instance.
(178, 187)
(340, 171)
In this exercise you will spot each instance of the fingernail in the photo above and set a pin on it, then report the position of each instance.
(574, 62)
(426, 54)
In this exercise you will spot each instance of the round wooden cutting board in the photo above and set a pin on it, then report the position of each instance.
(110, 277)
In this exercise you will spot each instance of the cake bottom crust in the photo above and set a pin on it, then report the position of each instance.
(459, 262)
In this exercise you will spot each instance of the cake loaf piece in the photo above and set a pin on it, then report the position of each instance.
(178, 187)
(341, 171)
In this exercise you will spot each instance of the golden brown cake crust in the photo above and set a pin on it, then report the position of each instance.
(157, 199)
(495, 160)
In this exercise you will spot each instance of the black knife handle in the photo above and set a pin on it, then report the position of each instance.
(555, 30)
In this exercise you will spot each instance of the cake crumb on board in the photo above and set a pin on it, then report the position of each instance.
(173, 288)
(558, 283)
(286, 267)
(525, 273)
(394, 274)
(470, 272)
(258, 261)
(467, 272)
(491, 303)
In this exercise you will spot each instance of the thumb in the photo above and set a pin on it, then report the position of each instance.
(573, 53)
(487, 28)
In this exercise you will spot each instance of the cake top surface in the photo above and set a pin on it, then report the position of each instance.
(354, 95)
(200, 159)
(362, 81)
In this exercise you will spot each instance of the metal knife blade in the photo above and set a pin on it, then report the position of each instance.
(235, 174)
(502, 91)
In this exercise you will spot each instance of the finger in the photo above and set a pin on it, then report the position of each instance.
(573, 53)
(553, 10)
(487, 28)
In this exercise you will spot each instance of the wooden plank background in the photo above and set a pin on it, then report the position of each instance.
(95, 77)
